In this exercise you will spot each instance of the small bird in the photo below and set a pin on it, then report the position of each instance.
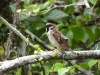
(56, 38)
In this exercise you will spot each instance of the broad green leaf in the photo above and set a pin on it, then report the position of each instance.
(85, 37)
(26, 2)
(69, 35)
(62, 71)
(71, 9)
(57, 66)
(84, 65)
(78, 33)
(87, 17)
(13, 8)
(90, 33)
(76, 66)
(93, 1)
(22, 17)
(97, 33)
(92, 63)
(86, 11)
(79, 18)
(56, 14)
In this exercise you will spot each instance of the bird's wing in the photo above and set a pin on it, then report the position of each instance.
(57, 36)
(61, 39)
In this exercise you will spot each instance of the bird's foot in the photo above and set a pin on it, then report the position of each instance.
(57, 50)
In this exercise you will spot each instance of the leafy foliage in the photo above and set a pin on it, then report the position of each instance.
(82, 28)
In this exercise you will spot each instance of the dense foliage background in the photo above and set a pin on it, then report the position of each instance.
(77, 19)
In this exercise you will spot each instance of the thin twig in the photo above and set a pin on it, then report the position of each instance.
(39, 41)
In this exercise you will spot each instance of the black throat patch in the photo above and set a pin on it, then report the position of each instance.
(48, 27)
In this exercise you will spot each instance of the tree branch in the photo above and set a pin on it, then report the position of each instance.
(16, 31)
(39, 41)
(67, 55)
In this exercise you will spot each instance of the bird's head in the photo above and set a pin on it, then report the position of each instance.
(50, 26)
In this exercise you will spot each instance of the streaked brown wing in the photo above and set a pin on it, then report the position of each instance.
(57, 36)
(62, 40)
(65, 44)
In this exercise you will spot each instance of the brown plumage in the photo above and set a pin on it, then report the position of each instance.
(56, 38)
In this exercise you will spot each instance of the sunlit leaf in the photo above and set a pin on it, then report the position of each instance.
(79, 18)
(26, 2)
(18, 72)
(93, 1)
(84, 65)
(62, 71)
(57, 66)
(92, 63)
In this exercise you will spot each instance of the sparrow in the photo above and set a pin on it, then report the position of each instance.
(56, 38)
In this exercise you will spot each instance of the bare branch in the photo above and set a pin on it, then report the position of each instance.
(16, 31)
(67, 55)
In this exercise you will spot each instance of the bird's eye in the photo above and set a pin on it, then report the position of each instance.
(51, 28)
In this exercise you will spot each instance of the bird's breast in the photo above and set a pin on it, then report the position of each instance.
(52, 39)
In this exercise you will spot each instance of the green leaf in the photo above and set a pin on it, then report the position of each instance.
(26, 2)
(56, 14)
(92, 62)
(88, 17)
(71, 9)
(13, 7)
(19, 71)
(97, 33)
(78, 33)
(86, 11)
(70, 37)
(90, 33)
(79, 18)
(85, 37)
(56, 67)
(93, 1)
(84, 65)
(76, 66)
(62, 71)
(70, 34)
